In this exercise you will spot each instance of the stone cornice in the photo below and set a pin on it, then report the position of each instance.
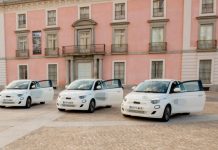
(21, 31)
(206, 17)
(119, 23)
(51, 28)
(158, 20)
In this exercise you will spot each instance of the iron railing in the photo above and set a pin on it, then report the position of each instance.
(24, 53)
(119, 15)
(119, 48)
(157, 47)
(158, 12)
(52, 52)
(206, 44)
(84, 49)
(207, 8)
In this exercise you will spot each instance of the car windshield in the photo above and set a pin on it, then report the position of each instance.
(81, 85)
(153, 87)
(20, 85)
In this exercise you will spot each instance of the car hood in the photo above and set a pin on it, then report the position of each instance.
(74, 93)
(12, 92)
(137, 96)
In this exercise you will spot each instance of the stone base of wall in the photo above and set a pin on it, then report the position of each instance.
(214, 88)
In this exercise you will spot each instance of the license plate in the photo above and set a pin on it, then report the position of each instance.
(67, 103)
(7, 100)
(135, 108)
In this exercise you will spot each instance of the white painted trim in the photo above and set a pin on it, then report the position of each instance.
(165, 11)
(57, 71)
(18, 70)
(126, 10)
(46, 17)
(152, 60)
(212, 67)
(85, 5)
(187, 22)
(113, 62)
(24, 12)
(207, 14)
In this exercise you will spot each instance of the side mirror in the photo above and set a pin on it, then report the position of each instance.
(98, 87)
(133, 88)
(177, 90)
(66, 86)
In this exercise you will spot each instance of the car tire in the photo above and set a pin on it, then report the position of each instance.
(166, 114)
(124, 115)
(28, 103)
(61, 109)
(91, 106)
(108, 106)
(42, 102)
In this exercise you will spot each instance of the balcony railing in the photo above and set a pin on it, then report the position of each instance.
(84, 49)
(157, 47)
(207, 44)
(207, 8)
(158, 12)
(22, 53)
(119, 48)
(52, 52)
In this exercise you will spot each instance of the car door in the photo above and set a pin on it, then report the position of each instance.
(114, 91)
(47, 90)
(100, 94)
(35, 92)
(193, 96)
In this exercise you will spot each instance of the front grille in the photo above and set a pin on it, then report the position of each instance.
(137, 111)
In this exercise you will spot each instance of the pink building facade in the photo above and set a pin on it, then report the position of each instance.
(132, 40)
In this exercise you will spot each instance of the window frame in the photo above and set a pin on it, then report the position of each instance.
(84, 5)
(113, 67)
(155, 60)
(56, 15)
(17, 41)
(125, 27)
(17, 21)
(47, 68)
(165, 10)
(126, 11)
(18, 71)
(212, 69)
(207, 14)
(51, 32)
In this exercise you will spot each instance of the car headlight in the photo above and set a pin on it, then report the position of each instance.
(156, 101)
(82, 97)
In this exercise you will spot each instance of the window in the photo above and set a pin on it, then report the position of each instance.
(157, 69)
(157, 34)
(52, 41)
(23, 72)
(205, 67)
(119, 71)
(52, 73)
(84, 12)
(158, 8)
(21, 21)
(51, 17)
(22, 43)
(120, 12)
(119, 36)
(36, 42)
(207, 6)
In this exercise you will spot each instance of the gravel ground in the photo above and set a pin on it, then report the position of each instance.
(150, 136)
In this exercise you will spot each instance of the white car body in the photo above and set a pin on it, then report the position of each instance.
(34, 91)
(189, 97)
(80, 99)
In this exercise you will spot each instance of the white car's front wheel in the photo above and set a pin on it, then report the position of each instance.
(28, 102)
(166, 114)
(91, 106)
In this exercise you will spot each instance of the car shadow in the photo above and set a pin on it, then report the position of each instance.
(21, 107)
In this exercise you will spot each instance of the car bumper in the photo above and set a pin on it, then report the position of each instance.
(12, 103)
(150, 110)
(73, 105)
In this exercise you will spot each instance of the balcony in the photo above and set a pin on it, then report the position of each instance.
(119, 48)
(158, 12)
(92, 49)
(157, 47)
(52, 52)
(205, 45)
(22, 53)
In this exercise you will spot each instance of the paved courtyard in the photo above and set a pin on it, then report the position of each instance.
(43, 127)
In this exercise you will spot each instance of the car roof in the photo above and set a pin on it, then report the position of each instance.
(170, 80)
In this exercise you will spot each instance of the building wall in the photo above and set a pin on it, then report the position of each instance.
(2, 50)
(137, 60)
(191, 57)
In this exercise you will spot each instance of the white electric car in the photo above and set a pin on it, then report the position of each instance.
(87, 94)
(26, 92)
(160, 98)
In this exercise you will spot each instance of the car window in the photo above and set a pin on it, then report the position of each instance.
(18, 85)
(111, 84)
(33, 85)
(45, 83)
(153, 86)
(173, 86)
(98, 83)
(191, 86)
(81, 85)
